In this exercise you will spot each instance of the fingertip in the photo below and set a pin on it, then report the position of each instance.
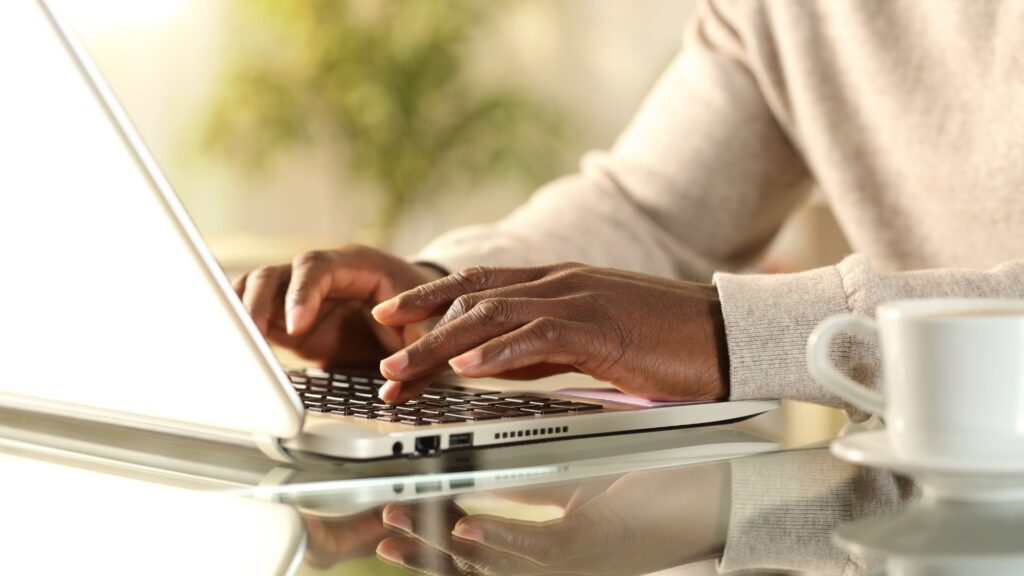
(385, 309)
(390, 392)
(467, 530)
(295, 319)
(388, 550)
(392, 366)
(467, 363)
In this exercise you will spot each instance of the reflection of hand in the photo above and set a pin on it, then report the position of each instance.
(332, 541)
(653, 337)
(318, 305)
(643, 522)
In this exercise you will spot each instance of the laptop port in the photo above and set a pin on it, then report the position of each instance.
(460, 440)
(428, 444)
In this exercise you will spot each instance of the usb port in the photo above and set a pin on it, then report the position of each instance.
(460, 440)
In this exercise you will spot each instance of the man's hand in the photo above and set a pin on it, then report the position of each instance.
(318, 305)
(652, 337)
(639, 523)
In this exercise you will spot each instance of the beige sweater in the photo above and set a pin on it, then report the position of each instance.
(907, 115)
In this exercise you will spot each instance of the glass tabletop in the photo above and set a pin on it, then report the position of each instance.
(722, 499)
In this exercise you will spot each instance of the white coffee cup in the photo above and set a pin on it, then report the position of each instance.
(953, 374)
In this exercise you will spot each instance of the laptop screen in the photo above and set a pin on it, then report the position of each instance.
(110, 306)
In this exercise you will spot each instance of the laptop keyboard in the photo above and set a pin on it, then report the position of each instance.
(355, 394)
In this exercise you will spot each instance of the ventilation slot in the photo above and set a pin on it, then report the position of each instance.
(531, 432)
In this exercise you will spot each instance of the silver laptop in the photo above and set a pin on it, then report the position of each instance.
(116, 311)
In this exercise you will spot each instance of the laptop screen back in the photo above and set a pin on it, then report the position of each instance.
(109, 308)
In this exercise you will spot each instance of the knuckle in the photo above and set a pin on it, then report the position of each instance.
(310, 259)
(460, 306)
(548, 330)
(432, 340)
(492, 311)
(475, 278)
(261, 274)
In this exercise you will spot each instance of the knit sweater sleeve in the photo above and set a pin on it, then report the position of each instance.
(768, 319)
(700, 180)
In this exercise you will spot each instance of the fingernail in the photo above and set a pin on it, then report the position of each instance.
(385, 308)
(389, 391)
(293, 318)
(393, 365)
(398, 519)
(468, 531)
(467, 361)
(388, 552)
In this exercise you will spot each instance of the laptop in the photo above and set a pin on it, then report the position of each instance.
(117, 312)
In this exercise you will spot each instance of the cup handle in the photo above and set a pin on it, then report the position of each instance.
(823, 371)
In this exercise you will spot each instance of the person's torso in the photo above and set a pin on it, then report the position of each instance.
(910, 116)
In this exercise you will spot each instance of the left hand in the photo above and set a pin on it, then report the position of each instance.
(652, 337)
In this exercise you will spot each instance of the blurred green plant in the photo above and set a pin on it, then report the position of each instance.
(390, 77)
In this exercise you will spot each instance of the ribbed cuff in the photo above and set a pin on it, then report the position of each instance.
(767, 321)
(783, 511)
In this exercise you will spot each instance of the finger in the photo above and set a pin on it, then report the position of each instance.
(239, 284)
(545, 543)
(431, 521)
(543, 341)
(487, 320)
(394, 392)
(414, 555)
(262, 288)
(312, 273)
(433, 298)
(316, 275)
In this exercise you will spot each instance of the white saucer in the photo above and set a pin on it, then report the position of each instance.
(942, 480)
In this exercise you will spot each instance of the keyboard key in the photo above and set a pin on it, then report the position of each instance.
(296, 379)
(544, 409)
(476, 415)
(527, 399)
(360, 380)
(442, 419)
(577, 406)
(506, 412)
(315, 408)
(415, 422)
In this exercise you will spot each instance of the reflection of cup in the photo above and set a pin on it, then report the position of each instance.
(941, 539)
(953, 371)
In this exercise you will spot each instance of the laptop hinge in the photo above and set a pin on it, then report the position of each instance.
(272, 448)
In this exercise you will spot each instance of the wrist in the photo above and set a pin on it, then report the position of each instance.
(721, 343)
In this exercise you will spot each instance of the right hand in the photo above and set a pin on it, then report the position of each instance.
(318, 306)
(638, 523)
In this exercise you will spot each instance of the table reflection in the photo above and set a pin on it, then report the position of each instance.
(771, 512)
(943, 539)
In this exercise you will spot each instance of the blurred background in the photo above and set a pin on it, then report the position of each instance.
(292, 125)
